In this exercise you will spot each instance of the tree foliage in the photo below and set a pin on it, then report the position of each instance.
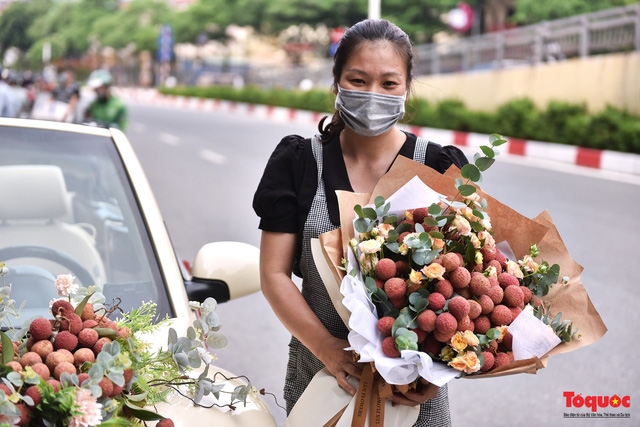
(533, 11)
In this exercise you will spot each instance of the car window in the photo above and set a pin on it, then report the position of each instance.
(66, 207)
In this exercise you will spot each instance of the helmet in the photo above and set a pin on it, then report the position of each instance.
(100, 78)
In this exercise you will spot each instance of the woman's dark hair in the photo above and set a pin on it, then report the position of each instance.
(367, 31)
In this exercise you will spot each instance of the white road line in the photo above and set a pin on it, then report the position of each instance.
(169, 139)
(213, 157)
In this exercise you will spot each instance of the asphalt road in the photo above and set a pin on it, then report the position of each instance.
(204, 168)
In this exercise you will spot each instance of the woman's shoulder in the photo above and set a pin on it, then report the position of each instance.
(440, 157)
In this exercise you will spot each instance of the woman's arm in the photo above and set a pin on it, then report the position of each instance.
(277, 251)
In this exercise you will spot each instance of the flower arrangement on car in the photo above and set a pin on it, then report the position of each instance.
(79, 368)
(438, 280)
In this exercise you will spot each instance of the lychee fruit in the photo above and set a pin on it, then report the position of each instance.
(65, 340)
(450, 261)
(40, 329)
(87, 312)
(25, 417)
(442, 337)
(431, 345)
(402, 269)
(87, 338)
(436, 301)
(507, 279)
(83, 355)
(123, 333)
(526, 294)
(63, 367)
(481, 324)
(459, 307)
(395, 288)
(54, 358)
(515, 312)
(30, 358)
(489, 360)
(460, 277)
(422, 335)
(446, 323)
(501, 315)
(507, 341)
(82, 377)
(165, 423)
(97, 347)
(55, 384)
(479, 284)
(385, 324)
(474, 309)
(15, 365)
(107, 387)
(34, 393)
(385, 269)
(465, 324)
(513, 296)
(419, 214)
(398, 303)
(486, 303)
(496, 294)
(427, 320)
(501, 359)
(72, 323)
(444, 287)
(389, 347)
(43, 348)
(42, 370)
(89, 323)
(62, 307)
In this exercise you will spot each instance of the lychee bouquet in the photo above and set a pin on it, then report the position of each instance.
(441, 287)
(79, 368)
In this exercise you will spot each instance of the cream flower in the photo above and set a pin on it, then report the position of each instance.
(404, 249)
(475, 241)
(458, 343)
(467, 363)
(470, 338)
(503, 331)
(447, 353)
(489, 241)
(64, 284)
(437, 244)
(514, 269)
(89, 409)
(529, 264)
(462, 225)
(478, 258)
(415, 276)
(434, 271)
(370, 246)
(384, 229)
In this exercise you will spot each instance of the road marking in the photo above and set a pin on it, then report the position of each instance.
(169, 139)
(213, 157)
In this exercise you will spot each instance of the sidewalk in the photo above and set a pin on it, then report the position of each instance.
(598, 159)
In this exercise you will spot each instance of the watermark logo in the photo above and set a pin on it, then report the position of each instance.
(598, 405)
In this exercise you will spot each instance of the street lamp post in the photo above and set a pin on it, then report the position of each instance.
(374, 9)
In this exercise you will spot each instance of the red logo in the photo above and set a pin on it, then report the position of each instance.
(594, 402)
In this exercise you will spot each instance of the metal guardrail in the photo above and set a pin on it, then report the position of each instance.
(606, 31)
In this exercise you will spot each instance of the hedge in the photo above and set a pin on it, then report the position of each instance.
(561, 122)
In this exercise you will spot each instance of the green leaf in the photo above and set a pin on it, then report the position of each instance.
(7, 348)
(430, 222)
(82, 304)
(496, 140)
(391, 219)
(435, 208)
(484, 163)
(470, 171)
(379, 201)
(476, 226)
(407, 340)
(488, 151)
(358, 210)
(362, 225)
(466, 190)
(370, 213)
(436, 235)
(143, 414)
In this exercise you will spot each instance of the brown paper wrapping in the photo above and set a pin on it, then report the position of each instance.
(519, 231)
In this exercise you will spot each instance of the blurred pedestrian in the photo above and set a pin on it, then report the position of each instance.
(296, 201)
(107, 110)
(8, 99)
(67, 91)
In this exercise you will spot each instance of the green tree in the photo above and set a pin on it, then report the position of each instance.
(534, 11)
(15, 22)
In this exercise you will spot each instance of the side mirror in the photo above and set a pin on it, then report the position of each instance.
(224, 271)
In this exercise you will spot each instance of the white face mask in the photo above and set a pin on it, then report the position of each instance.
(369, 113)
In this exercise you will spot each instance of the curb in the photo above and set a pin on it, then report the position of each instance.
(607, 160)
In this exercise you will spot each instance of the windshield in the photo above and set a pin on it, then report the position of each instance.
(66, 207)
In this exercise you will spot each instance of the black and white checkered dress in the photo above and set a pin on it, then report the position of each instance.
(303, 365)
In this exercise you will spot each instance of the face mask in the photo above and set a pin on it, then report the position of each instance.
(369, 113)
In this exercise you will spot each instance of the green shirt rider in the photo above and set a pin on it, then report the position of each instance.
(107, 110)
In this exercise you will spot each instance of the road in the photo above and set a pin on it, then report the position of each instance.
(204, 168)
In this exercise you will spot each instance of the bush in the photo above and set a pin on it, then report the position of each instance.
(561, 122)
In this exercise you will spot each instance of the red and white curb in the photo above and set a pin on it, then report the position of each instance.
(614, 161)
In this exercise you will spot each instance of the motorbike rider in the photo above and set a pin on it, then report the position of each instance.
(106, 110)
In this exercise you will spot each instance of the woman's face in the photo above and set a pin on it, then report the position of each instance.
(375, 67)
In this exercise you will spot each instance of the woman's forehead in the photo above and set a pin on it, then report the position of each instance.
(381, 56)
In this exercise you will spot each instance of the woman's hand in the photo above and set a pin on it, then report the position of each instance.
(425, 391)
(340, 363)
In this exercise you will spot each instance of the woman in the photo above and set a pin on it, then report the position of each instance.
(296, 201)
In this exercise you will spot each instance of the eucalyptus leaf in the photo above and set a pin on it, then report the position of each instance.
(142, 414)
(379, 201)
(466, 190)
(484, 163)
(488, 151)
(370, 213)
(7, 348)
(470, 171)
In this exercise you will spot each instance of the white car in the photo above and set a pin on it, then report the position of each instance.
(74, 199)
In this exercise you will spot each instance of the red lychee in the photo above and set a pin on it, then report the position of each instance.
(62, 307)
(427, 320)
(436, 301)
(43, 348)
(15, 365)
(42, 370)
(402, 268)
(526, 294)
(34, 393)
(97, 347)
(479, 284)
(40, 329)
(89, 323)
(507, 341)
(389, 347)
(65, 340)
(474, 309)
(83, 355)
(489, 360)
(87, 312)
(107, 387)
(419, 214)
(63, 367)
(395, 288)
(501, 315)
(496, 294)
(459, 307)
(385, 269)
(398, 303)
(460, 277)
(30, 358)
(431, 345)
(445, 288)
(486, 303)
(422, 335)
(87, 338)
(385, 324)
(25, 417)
(446, 323)
(465, 324)
(501, 359)
(513, 296)
(442, 337)
(501, 259)
(506, 279)
(123, 333)
(82, 377)
(481, 324)
(450, 261)
(55, 384)
(165, 423)
(72, 323)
